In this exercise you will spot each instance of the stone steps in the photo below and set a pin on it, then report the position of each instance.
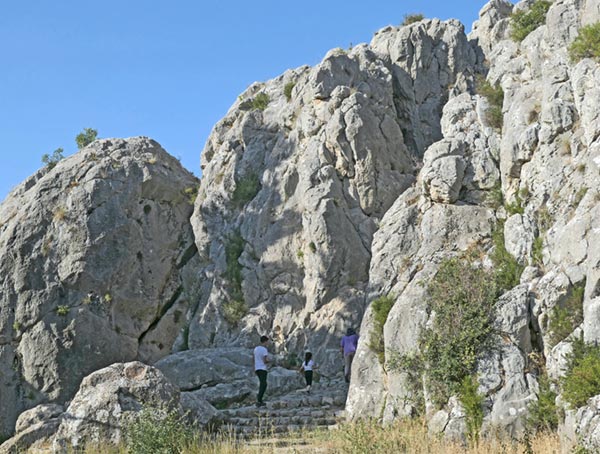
(293, 412)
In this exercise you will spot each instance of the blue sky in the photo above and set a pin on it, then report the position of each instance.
(164, 69)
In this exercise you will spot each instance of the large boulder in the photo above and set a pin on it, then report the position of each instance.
(108, 398)
(93, 256)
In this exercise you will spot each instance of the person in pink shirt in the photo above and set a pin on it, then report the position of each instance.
(348, 347)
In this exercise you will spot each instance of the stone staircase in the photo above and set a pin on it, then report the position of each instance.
(292, 412)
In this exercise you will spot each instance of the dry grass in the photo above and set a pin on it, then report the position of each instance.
(59, 214)
(357, 438)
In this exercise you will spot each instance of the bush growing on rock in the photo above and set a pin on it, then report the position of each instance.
(462, 295)
(582, 380)
(234, 311)
(287, 90)
(86, 137)
(55, 158)
(523, 22)
(472, 403)
(507, 271)
(543, 413)
(261, 101)
(412, 18)
(495, 98)
(567, 315)
(154, 430)
(587, 44)
(381, 309)
(245, 190)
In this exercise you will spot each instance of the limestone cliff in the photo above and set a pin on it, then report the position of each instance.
(323, 190)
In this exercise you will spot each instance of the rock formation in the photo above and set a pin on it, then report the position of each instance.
(93, 266)
(322, 190)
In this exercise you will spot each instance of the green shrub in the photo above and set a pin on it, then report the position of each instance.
(261, 101)
(523, 22)
(507, 271)
(462, 295)
(472, 403)
(580, 195)
(587, 44)
(537, 251)
(412, 18)
(544, 219)
(234, 247)
(412, 366)
(312, 246)
(86, 137)
(582, 379)
(516, 207)
(234, 310)
(287, 90)
(567, 315)
(191, 194)
(245, 190)
(543, 413)
(155, 430)
(495, 98)
(62, 310)
(494, 197)
(52, 160)
(381, 308)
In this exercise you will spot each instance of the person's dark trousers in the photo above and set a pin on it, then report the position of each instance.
(262, 387)
(308, 374)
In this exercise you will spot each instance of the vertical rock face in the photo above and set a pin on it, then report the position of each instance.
(325, 157)
(545, 159)
(91, 260)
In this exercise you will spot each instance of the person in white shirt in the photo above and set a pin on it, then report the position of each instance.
(261, 359)
(308, 366)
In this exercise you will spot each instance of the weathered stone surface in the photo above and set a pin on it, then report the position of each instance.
(107, 398)
(193, 369)
(91, 253)
(199, 412)
(582, 426)
(355, 180)
(327, 163)
(223, 376)
(37, 415)
(35, 430)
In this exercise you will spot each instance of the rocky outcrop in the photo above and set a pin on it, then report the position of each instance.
(325, 157)
(93, 256)
(224, 376)
(108, 398)
(544, 160)
(322, 190)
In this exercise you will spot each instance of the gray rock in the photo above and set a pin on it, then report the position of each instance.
(92, 253)
(107, 398)
(37, 415)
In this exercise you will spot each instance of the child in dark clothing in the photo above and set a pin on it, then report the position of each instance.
(308, 366)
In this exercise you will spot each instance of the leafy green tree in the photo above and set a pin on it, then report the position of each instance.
(86, 137)
(52, 160)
